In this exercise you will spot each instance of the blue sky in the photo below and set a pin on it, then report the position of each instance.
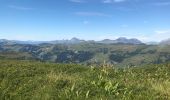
(147, 20)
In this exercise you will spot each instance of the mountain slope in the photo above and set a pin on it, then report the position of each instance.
(89, 53)
(165, 42)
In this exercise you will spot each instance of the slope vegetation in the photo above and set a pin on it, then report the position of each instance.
(30, 80)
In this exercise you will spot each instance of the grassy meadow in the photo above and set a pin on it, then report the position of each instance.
(30, 80)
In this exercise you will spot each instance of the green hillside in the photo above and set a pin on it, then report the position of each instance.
(88, 53)
(30, 80)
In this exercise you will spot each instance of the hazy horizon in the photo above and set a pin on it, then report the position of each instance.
(37, 20)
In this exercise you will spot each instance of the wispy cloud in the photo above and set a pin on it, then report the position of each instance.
(157, 36)
(119, 0)
(103, 1)
(161, 3)
(77, 1)
(121, 8)
(19, 7)
(162, 32)
(107, 1)
(92, 14)
(113, 1)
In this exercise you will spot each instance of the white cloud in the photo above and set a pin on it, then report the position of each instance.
(162, 35)
(113, 1)
(156, 36)
(92, 14)
(20, 7)
(162, 32)
(77, 1)
(161, 3)
(126, 9)
(119, 0)
(107, 1)
(103, 1)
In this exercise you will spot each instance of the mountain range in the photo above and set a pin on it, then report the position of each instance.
(121, 51)
(74, 40)
(121, 40)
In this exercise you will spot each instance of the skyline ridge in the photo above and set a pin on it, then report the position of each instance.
(67, 39)
(83, 40)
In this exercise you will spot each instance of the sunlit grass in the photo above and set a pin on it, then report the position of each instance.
(162, 87)
(27, 80)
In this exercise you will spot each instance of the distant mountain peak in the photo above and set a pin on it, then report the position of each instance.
(165, 42)
(121, 38)
(2, 40)
(75, 39)
(128, 41)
